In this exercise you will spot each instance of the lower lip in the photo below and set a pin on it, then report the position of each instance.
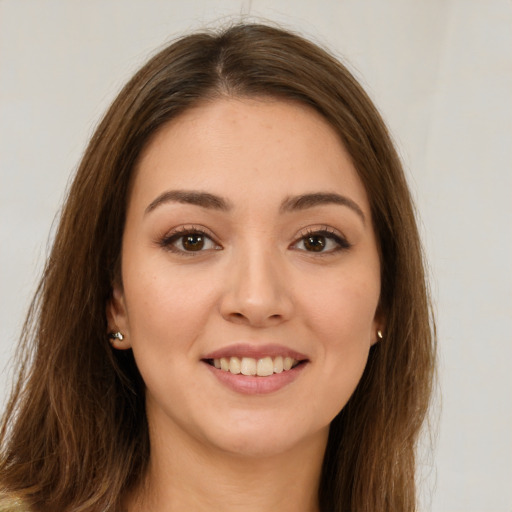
(252, 385)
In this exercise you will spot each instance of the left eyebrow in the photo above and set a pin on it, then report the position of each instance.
(304, 201)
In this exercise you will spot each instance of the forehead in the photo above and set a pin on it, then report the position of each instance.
(248, 148)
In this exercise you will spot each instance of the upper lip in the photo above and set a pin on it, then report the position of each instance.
(255, 351)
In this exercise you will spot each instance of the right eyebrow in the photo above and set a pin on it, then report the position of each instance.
(304, 201)
(198, 198)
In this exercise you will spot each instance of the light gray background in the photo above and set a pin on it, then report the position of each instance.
(441, 73)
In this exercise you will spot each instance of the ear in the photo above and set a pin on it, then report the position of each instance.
(117, 318)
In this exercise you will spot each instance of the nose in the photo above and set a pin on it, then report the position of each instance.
(257, 292)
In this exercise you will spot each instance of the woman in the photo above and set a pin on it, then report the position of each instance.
(234, 315)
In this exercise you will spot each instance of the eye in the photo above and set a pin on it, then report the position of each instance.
(187, 240)
(321, 241)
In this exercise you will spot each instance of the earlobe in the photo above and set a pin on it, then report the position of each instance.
(379, 327)
(118, 328)
(377, 337)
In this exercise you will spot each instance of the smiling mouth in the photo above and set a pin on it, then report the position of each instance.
(250, 366)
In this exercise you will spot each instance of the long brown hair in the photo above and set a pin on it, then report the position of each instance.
(74, 436)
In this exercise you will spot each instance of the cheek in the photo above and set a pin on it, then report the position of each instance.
(166, 309)
(341, 317)
(342, 307)
(168, 312)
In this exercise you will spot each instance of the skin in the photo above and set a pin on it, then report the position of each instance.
(255, 281)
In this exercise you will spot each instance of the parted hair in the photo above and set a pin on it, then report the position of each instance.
(74, 435)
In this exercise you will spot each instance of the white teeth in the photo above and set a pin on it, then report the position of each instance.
(288, 363)
(265, 367)
(249, 366)
(234, 365)
(278, 364)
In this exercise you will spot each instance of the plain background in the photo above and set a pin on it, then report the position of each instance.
(441, 73)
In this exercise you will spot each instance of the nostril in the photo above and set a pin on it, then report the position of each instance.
(255, 312)
(252, 318)
(237, 316)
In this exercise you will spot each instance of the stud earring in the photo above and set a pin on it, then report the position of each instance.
(118, 335)
(379, 334)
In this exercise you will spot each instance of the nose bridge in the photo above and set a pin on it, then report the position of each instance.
(257, 292)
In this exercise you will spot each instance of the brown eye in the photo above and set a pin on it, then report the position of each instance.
(193, 242)
(322, 242)
(188, 241)
(314, 243)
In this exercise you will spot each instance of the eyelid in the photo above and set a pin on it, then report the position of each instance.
(328, 232)
(167, 240)
(170, 236)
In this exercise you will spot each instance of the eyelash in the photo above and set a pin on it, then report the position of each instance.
(168, 242)
(342, 244)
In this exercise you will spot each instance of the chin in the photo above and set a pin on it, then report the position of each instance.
(264, 439)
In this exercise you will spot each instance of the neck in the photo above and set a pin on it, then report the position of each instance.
(185, 477)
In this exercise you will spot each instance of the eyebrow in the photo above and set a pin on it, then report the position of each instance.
(290, 204)
(305, 201)
(197, 198)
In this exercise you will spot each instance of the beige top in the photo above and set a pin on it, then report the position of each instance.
(12, 505)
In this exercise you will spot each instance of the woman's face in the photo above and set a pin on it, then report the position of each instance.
(248, 245)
